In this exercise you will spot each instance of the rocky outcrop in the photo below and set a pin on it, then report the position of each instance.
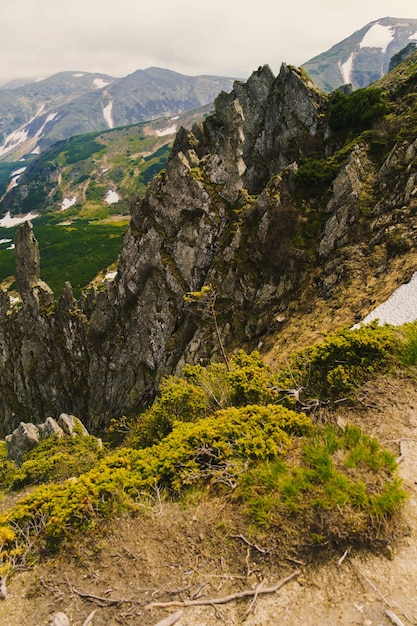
(27, 435)
(230, 210)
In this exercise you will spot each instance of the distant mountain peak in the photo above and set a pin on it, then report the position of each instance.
(364, 56)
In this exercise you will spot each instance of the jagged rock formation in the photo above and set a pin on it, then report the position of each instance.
(27, 435)
(234, 209)
(402, 55)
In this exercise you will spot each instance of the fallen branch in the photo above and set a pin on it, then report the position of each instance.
(254, 599)
(172, 619)
(394, 619)
(100, 600)
(252, 545)
(248, 593)
(344, 555)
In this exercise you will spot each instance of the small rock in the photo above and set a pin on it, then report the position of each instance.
(50, 428)
(59, 619)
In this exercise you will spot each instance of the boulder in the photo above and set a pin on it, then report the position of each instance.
(24, 438)
(49, 428)
(71, 425)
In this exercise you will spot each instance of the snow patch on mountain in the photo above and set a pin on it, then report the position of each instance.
(400, 308)
(99, 83)
(346, 68)
(112, 197)
(49, 118)
(68, 202)
(15, 177)
(377, 37)
(413, 37)
(13, 140)
(169, 130)
(18, 172)
(20, 135)
(8, 221)
(107, 114)
(78, 75)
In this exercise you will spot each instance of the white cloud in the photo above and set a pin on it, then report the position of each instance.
(229, 38)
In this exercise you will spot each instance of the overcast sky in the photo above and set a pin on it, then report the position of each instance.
(223, 37)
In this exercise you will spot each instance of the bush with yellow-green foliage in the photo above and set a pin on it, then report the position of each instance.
(340, 487)
(53, 459)
(224, 430)
(229, 452)
(202, 390)
(344, 360)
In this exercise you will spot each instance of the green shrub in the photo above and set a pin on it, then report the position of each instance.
(408, 344)
(80, 148)
(8, 469)
(341, 362)
(211, 451)
(58, 458)
(200, 392)
(316, 484)
(342, 485)
(358, 110)
(180, 400)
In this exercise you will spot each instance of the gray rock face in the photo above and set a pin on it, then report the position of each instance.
(50, 428)
(71, 425)
(344, 203)
(27, 261)
(225, 212)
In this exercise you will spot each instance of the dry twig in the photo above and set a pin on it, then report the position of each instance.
(172, 619)
(344, 555)
(394, 618)
(89, 618)
(255, 597)
(100, 600)
(248, 593)
(252, 545)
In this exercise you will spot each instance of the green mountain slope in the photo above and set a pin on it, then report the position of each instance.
(83, 187)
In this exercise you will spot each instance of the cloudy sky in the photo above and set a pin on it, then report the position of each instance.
(224, 37)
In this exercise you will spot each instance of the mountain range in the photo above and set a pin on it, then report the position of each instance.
(35, 115)
(364, 56)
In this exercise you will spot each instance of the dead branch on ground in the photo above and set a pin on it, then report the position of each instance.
(252, 545)
(247, 593)
(172, 619)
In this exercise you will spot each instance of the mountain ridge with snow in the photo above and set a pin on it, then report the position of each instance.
(364, 56)
(36, 115)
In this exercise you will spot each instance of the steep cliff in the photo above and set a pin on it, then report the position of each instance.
(297, 227)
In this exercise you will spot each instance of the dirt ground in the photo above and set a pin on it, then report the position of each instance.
(172, 552)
